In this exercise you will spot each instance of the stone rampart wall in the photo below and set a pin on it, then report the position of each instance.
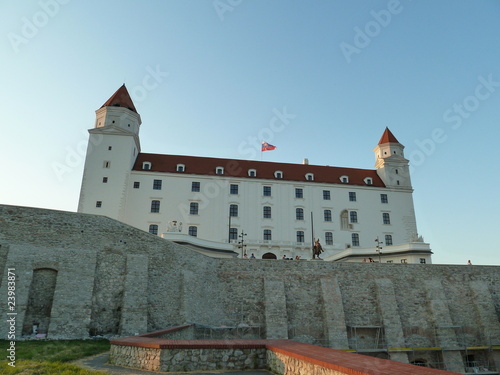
(113, 279)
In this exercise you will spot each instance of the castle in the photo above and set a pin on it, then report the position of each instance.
(229, 207)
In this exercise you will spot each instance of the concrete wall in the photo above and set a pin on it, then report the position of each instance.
(115, 279)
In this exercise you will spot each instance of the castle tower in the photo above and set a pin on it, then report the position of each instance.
(111, 152)
(392, 167)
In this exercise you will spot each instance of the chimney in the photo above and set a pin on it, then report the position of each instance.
(305, 161)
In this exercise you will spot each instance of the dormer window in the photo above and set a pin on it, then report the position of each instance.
(368, 181)
(309, 177)
(278, 174)
(219, 170)
(180, 168)
(252, 173)
(146, 165)
(344, 179)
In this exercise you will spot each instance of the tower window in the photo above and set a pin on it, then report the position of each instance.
(153, 229)
(299, 214)
(193, 231)
(299, 193)
(98, 204)
(104, 180)
(137, 184)
(109, 148)
(106, 164)
(156, 184)
(193, 208)
(155, 206)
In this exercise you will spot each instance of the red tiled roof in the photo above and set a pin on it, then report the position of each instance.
(387, 137)
(264, 170)
(120, 98)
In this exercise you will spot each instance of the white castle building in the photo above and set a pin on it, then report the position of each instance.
(228, 207)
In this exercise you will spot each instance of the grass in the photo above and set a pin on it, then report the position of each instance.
(46, 357)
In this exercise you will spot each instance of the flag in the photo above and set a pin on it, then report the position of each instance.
(267, 147)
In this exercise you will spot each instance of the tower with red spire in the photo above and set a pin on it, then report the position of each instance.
(392, 167)
(111, 152)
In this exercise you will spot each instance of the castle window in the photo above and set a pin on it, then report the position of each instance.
(396, 171)
(326, 195)
(193, 208)
(219, 170)
(422, 261)
(156, 184)
(344, 179)
(299, 193)
(267, 235)
(310, 177)
(329, 238)
(353, 216)
(155, 206)
(327, 215)
(388, 240)
(383, 198)
(266, 191)
(386, 218)
(252, 172)
(233, 233)
(266, 212)
(368, 181)
(300, 236)
(299, 214)
(278, 174)
(109, 148)
(233, 189)
(137, 184)
(180, 168)
(153, 229)
(195, 186)
(233, 210)
(193, 231)
(104, 180)
(98, 204)
(352, 196)
(146, 165)
(355, 239)
(404, 261)
(106, 164)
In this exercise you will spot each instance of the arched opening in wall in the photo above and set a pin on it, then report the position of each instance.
(419, 362)
(40, 298)
(269, 256)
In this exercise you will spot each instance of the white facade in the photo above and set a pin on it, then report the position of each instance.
(279, 207)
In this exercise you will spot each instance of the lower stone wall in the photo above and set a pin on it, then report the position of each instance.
(175, 360)
(281, 364)
(135, 357)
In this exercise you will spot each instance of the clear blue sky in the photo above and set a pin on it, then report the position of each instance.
(208, 77)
